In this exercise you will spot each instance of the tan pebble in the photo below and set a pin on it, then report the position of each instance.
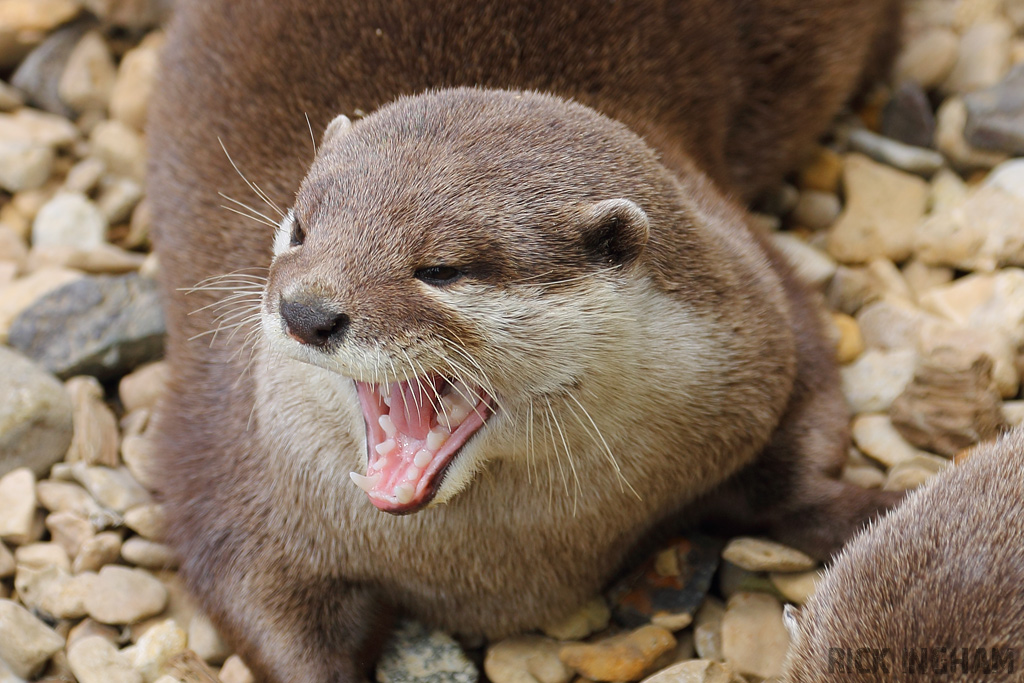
(950, 120)
(1012, 410)
(816, 210)
(205, 640)
(50, 590)
(235, 671)
(891, 323)
(921, 277)
(983, 58)
(26, 643)
(697, 671)
(18, 513)
(6, 562)
(146, 520)
(121, 148)
(12, 246)
(100, 259)
(883, 208)
(62, 496)
(113, 488)
(139, 226)
(876, 378)
(983, 301)
(754, 638)
(70, 530)
(135, 78)
(796, 588)
(590, 618)
(95, 440)
(124, 596)
(912, 473)
(947, 191)
(38, 555)
(707, 630)
(157, 647)
(96, 660)
(135, 423)
(823, 172)
(864, 476)
(148, 554)
(876, 437)
(143, 387)
(624, 657)
(88, 77)
(102, 549)
(137, 452)
(851, 342)
(928, 57)
(810, 264)
(526, 659)
(118, 199)
(84, 176)
(90, 627)
(759, 555)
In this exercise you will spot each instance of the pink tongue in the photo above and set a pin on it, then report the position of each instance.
(411, 410)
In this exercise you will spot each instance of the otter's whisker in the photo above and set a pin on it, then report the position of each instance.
(600, 437)
(252, 186)
(578, 490)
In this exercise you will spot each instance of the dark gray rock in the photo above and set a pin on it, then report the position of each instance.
(35, 416)
(416, 655)
(104, 326)
(908, 116)
(995, 116)
(38, 75)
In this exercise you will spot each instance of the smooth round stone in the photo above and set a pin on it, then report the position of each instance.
(922, 277)
(69, 219)
(851, 341)
(707, 629)
(113, 488)
(811, 265)
(157, 647)
(917, 160)
(71, 531)
(39, 555)
(983, 234)
(796, 588)
(235, 671)
(526, 659)
(873, 381)
(96, 436)
(146, 520)
(984, 57)
(754, 638)
(590, 618)
(909, 118)
(143, 387)
(891, 323)
(134, 85)
(950, 122)
(983, 301)
(22, 294)
(697, 671)
(18, 512)
(883, 209)
(760, 555)
(206, 641)
(35, 416)
(96, 660)
(149, 554)
(121, 148)
(823, 172)
(877, 438)
(26, 643)
(816, 209)
(99, 551)
(928, 58)
(125, 596)
(89, 74)
(24, 164)
(624, 657)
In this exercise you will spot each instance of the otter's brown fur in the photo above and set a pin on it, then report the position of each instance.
(936, 584)
(289, 559)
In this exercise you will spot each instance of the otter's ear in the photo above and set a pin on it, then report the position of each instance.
(615, 231)
(335, 129)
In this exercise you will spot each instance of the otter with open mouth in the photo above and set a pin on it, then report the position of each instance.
(532, 327)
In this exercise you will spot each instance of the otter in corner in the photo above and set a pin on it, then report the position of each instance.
(509, 319)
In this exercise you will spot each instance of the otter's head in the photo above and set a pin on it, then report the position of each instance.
(459, 255)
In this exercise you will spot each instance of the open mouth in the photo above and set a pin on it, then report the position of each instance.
(414, 431)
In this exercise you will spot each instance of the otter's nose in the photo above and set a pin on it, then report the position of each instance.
(312, 325)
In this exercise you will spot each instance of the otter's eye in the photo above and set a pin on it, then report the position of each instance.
(298, 234)
(438, 276)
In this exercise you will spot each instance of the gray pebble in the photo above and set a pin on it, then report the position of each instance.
(995, 117)
(908, 116)
(416, 655)
(917, 160)
(98, 325)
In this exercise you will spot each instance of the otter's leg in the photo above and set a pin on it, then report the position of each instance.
(290, 627)
(793, 491)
